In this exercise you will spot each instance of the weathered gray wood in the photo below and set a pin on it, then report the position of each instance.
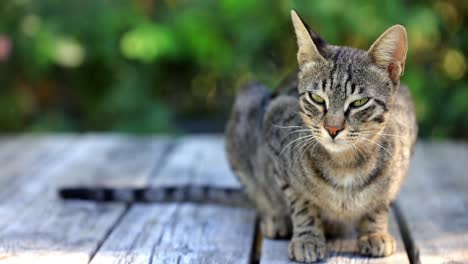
(27, 154)
(116, 161)
(25, 150)
(180, 234)
(185, 233)
(340, 251)
(434, 201)
(48, 230)
(9, 147)
(198, 160)
(36, 227)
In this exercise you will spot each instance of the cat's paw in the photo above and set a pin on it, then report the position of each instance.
(308, 250)
(276, 226)
(377, 245)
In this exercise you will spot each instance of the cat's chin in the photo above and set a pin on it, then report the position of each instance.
(336, 146)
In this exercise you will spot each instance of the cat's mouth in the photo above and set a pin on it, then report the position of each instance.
(335, 144)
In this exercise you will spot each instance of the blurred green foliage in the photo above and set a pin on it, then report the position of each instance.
(147, 66)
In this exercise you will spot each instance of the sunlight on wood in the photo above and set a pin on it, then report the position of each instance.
(45, 257)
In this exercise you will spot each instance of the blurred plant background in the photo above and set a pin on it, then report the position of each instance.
(173, 66)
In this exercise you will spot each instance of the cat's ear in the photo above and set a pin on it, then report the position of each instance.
(307, 42)
(389, 51)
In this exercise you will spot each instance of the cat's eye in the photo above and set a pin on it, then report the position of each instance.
(360, 102)
(317, 99)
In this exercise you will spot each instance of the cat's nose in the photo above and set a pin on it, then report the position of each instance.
(334, 130)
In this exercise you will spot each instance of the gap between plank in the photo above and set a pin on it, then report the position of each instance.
(411, 249)
(256, 250)
(157, 164)
(109, 232)
(168, 149)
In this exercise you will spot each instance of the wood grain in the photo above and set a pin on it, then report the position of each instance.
(29, 156)
(48, 230)
(37, 227)
(24, 156)
(434, 201)
(180, 233)
(185, 233)
(339, 251)
(197, 160)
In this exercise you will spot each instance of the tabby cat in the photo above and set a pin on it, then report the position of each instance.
(331, 147)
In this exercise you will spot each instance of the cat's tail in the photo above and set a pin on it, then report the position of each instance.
(164, 194)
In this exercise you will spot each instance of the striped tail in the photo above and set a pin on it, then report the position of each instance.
(196, 194)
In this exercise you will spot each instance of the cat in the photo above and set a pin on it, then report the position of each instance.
(331, 147)
(328, 149)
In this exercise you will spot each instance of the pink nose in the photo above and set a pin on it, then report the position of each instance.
(333, 130)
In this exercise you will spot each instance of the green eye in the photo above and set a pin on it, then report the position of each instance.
(360, 102)
(317, 99)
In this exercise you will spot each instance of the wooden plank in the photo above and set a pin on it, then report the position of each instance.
(8, 145)
(185, 233)
(15, 151)
(116, 161)
(180, 234)
(198, 160)
(28, 155)
(96, 160)
(339, 251)
(434, 202)
(25, 155)
(48, 230)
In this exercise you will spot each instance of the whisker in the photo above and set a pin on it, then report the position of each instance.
(295, 140)
(279, 126)
(313, 142)
(378, 133)
(384, 136)
(354, 148)
(296, 131)
(360, 151)
(300, 144)
(389, 135)
(296, 153)
(378, 145)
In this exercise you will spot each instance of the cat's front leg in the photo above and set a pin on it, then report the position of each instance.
(275, 226)
(308, 242)
(374, 239)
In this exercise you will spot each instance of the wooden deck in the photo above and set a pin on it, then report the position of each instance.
(430, 223)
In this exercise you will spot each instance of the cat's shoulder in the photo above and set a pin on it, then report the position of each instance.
(282, 112)
(288, 86)
(403, 100)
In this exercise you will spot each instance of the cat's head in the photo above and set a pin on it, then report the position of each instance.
(346, 93)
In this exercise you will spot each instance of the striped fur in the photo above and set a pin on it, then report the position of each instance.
(300, 178)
